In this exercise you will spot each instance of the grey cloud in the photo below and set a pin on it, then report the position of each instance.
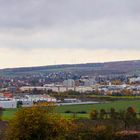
(93, 24)
(34, 13)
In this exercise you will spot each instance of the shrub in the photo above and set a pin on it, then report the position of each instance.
(68, 111)
(81, 112)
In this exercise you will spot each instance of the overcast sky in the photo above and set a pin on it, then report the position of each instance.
(44, 32)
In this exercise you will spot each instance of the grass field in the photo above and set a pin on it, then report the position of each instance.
(118, 105)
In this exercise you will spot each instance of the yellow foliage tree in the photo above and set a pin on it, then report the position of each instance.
(36, 124)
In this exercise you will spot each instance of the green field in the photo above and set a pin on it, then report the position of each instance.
(118, 105)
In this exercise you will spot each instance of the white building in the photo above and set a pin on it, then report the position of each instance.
(36, 98)
(69, 83)
(8, 104)
(71, 100)
(69, 87)
(89, 82)
(131, 80)
(83, 89)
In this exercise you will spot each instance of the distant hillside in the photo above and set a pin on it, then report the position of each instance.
(119, 67)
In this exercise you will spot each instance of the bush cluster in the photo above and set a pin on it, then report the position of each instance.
(78, 112)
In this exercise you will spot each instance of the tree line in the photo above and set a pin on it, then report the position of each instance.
(37, 123)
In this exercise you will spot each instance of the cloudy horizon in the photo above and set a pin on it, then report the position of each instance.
(44, 32)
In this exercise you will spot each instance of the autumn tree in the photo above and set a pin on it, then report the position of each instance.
(114, 118)
(102, 132)
(1, 113)
(102, 114)
(94, 114)
(82, 131)
(113, 113)
(131, 116)
(126, 92)
(131, 113)
(36, 124)
(128, 117)
(116, 82)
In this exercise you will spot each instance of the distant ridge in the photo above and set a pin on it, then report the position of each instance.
(117, 67)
